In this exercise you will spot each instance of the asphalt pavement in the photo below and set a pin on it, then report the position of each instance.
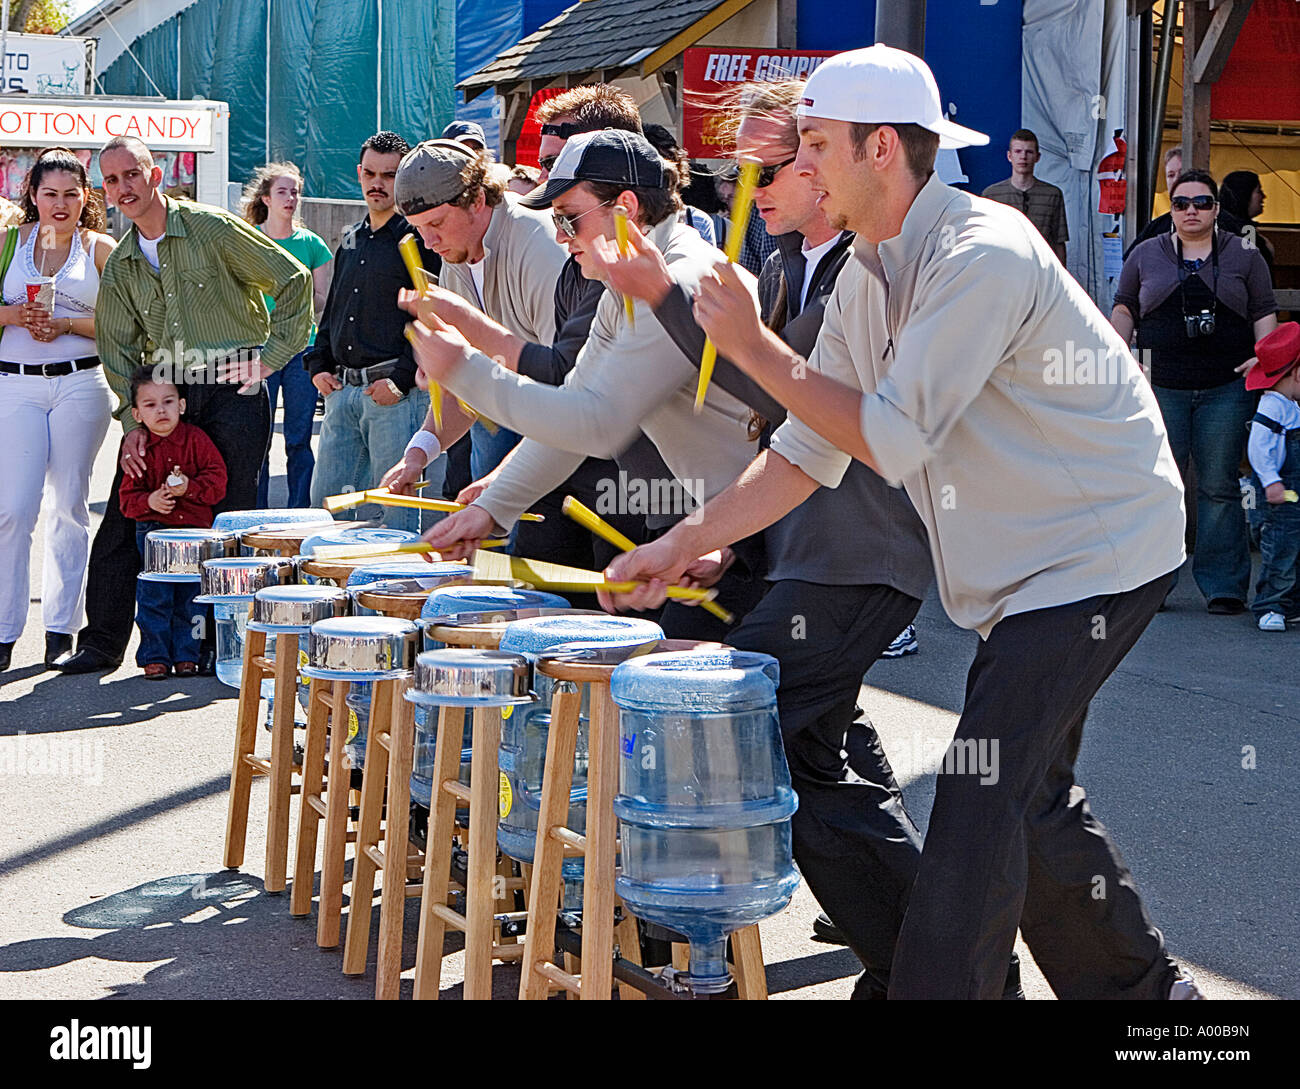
(114, 813)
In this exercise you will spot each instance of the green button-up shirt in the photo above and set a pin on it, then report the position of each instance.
(204, 298)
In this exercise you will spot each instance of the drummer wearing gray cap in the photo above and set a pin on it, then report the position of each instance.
(497, 257)
(1054, 514)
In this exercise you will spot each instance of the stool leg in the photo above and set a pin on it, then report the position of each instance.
(751, 977)
(548, 854)
(437, 856)
(392, 908)
(336, 822)
(277, 806)
(629, 949)
(598, 871)
(313, 775)
(241, 774)
(484, 790)
(362, 893)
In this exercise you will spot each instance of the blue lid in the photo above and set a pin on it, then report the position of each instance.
(450, 600)
(404, 567)
(696, 681)
(241, 520)
(357, 535)
(536, 634)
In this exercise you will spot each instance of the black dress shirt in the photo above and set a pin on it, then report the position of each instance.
(362, 324)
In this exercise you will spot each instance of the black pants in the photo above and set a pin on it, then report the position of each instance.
(855, 844)
(1018, 846)
(239, 425)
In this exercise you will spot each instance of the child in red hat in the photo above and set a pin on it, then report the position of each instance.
(1274, 452)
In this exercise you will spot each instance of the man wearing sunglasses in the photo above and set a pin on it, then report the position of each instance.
(558, 539)
(629, 377)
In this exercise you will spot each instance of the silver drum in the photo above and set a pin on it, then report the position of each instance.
(176, 555)
(361, 648)
(296, 608)
(238, 578)
(464, 678)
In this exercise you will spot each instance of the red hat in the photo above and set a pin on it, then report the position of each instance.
(1277, 354)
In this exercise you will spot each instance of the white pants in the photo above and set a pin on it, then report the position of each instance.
(50, 430)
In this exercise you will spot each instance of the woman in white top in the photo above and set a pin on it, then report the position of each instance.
(55, 404)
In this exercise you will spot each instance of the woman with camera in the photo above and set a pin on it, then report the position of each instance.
(1199, 299)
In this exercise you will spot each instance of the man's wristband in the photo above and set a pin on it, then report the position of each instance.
(426, 442)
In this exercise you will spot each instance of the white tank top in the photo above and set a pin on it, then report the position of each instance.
(76, 285)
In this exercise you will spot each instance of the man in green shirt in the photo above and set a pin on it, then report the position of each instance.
(185, 294)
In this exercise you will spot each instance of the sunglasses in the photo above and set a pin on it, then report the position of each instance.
(767, 175)
(567, 225)
(547, 162)
(1202, 203)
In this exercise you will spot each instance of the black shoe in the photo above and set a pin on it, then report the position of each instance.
(1226, 606)
(86, 660)
(57, 644)
(826, 931)
(6, 653)
(207, 661)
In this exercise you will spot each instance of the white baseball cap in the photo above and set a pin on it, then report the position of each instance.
(882, 86)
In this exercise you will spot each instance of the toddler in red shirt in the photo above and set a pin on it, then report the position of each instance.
(184, 476)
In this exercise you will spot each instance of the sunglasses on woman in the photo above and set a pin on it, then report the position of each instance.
(1202, 203)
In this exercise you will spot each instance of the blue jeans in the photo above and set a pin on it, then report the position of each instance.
(299, 413)
(360, 441)
(1278, 587)
(166, 614)
(487, 449)
(1209, 426)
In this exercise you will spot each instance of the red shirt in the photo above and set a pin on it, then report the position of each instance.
(199, 460)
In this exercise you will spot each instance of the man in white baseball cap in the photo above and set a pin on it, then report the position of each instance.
(1054, 513)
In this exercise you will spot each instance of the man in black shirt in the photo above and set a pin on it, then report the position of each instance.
(362, 363)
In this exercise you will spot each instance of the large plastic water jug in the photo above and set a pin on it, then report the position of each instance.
(240, 521)
(355, 535)
(704, 800)
(450, 601)
(524, 729)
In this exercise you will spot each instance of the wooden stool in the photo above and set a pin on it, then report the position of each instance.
(286, 612)
(393, 730)
(473, 632)
(594, 667)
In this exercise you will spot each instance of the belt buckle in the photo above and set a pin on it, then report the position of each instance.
(45, 369)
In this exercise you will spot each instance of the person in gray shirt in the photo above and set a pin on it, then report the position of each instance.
(847, 569)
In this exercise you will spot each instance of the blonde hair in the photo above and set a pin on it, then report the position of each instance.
(252, 207)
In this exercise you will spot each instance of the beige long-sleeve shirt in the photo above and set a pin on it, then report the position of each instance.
(521, 262)
(627, 378)
(1003, 401)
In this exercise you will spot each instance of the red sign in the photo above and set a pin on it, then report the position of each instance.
(711, 71)
(1261, 81)
(530, 136)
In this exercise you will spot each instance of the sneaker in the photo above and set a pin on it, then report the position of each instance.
(1185, 989)
(1272, 622)
(826, 931)
(904, 643)
(157, 671)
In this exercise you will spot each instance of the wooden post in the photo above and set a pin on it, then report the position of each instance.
(336, 822)
(241, 772)
(1196, 95)
(277, 804)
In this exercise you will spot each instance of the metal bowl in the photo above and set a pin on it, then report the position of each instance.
(471, 678)
(361, 648)
(175, 555)
(238, 578)
(296, 608)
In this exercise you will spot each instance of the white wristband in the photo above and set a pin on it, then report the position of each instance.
(426, 442)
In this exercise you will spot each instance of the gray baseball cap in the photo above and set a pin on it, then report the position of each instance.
(430, 174)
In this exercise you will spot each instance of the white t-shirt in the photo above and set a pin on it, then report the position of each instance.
(812, 258)
(476, 273)
(149, 247)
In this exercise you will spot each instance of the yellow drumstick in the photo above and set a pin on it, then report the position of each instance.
(740, 206)
(620, 231)
(1290, 496)
(385, 498)
(369, 551)
(493, 566)
(589, 519)
(347, 500)
(411, 255)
